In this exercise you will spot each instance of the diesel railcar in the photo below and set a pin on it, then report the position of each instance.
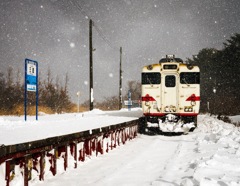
(170, 96)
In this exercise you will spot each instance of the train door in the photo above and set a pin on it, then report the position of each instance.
(169, 93)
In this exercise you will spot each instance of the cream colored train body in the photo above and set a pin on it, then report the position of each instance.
(170, 95)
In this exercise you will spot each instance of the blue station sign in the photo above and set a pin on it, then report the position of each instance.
(31, 83)
(31, 75)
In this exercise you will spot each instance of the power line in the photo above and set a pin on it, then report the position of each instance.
(104, 38)
(78, 6)
(97, 28)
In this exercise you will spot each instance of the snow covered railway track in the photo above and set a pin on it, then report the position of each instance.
(22, 162)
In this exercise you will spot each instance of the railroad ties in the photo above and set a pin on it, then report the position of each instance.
(31, 160)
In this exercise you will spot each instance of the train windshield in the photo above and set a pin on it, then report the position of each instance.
(151, 78)
(170, 81)
(190, 78)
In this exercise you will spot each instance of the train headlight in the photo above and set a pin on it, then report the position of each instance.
(188, 109)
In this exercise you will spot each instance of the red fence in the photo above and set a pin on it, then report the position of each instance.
(32, 160)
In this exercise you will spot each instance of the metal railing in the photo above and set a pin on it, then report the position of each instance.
(41, 156)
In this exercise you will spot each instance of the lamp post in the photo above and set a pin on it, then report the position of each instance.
(78, 95)
(214, 91)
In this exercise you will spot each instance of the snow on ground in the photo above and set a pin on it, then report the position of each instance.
(208, 156)
(14, 129)
(235, 119)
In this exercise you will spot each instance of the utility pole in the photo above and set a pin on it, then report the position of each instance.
(91, 66)
(120, 81)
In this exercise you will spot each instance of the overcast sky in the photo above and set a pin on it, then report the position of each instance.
(55, 33)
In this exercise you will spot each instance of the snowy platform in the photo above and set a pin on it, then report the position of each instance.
(208, 156)
(14, 130)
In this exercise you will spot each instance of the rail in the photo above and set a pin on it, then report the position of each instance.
(32, 160)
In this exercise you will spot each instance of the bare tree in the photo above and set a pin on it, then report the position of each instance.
(135, 89)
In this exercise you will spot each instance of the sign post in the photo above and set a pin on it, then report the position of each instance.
(129, 100)
(31, 83)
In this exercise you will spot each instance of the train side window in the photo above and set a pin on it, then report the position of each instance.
(190, 78)
(170, 81)
(151, 78)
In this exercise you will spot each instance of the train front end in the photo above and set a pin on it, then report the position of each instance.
(170, 96)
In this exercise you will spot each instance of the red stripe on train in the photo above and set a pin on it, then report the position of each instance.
(193, 97)
(148, 98)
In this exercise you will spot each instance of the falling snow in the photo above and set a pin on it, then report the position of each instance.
(72, 45)
(145, 29)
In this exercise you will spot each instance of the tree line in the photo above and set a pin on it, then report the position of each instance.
(53, 96)
(220, 77)
(220, 71)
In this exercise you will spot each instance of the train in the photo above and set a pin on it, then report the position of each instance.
(170, 96)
